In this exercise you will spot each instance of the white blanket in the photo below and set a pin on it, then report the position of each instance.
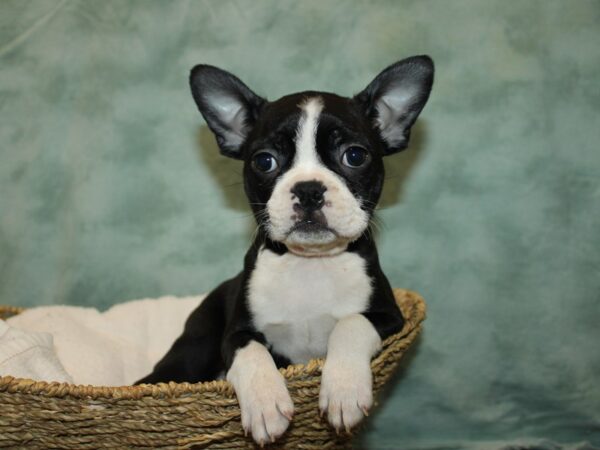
(84, 346)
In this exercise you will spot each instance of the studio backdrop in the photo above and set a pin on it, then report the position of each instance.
(112, 187)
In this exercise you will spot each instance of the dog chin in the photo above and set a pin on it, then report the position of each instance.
(320, 243)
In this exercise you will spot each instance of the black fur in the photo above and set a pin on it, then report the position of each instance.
(222, 323)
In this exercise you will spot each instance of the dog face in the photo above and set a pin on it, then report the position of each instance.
(315, 177)
(313, 169)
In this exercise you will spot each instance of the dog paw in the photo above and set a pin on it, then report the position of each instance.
(265, 402)
(346, 393)
(267, 409)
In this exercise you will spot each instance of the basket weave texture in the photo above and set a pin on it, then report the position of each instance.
(40, 415)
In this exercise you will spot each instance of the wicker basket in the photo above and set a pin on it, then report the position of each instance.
(40, 415)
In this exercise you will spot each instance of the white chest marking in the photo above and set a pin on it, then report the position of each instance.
(296, 301)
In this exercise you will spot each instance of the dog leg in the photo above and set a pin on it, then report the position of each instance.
(346, 383)
(264, 400)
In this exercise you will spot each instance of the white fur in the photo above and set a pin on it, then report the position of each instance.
(296, 301)
(346, 382)
(232, 112)
(260, 388)
(392, 112)
(341, 209)
(306, 152)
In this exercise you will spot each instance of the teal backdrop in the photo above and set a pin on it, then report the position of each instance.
(112, 188)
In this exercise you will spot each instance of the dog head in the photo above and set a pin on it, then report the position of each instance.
(313, 169)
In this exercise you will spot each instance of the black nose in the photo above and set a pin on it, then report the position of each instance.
(310, 194)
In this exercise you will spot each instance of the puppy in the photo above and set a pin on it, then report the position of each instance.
(311, 285)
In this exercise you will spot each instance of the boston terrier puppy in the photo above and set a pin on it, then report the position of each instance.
(311, 285)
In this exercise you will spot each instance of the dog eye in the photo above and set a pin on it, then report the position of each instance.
(354, 156)
(264, 162)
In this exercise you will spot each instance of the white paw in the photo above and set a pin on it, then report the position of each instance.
(346, 393)
(265, 402)
(267, 408)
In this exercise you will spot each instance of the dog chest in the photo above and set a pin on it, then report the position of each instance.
(296, 301)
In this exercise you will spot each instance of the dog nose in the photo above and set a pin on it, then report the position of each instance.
(310, 194)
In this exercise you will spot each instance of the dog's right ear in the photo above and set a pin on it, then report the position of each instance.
(229, 107)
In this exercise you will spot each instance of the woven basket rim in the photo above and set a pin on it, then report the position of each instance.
(409, 301)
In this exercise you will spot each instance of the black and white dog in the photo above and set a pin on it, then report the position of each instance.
(311, 285)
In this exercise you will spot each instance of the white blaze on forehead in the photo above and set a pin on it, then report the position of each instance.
(306, 136)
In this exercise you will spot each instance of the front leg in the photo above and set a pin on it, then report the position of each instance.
(264, 400)
(346, 383)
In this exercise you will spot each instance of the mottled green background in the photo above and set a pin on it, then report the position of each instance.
(111, 188)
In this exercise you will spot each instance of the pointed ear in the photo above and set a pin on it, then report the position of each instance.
(394, 99)
(229, 107)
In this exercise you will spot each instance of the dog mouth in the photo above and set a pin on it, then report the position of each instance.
(308, 227)
(310, 237)
(311, 225)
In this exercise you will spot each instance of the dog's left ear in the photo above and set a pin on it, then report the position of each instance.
(394, 99)
(229, 107)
